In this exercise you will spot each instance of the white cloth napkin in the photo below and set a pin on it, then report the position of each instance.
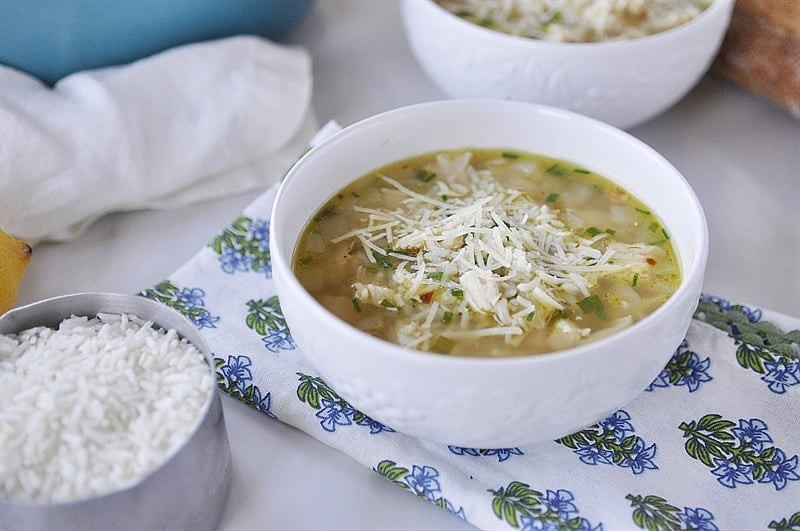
(191, 123)
(712, 444)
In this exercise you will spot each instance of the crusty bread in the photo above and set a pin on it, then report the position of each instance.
(761, 51)
(781, 15)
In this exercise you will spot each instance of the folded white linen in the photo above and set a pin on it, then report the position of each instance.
(191, 123)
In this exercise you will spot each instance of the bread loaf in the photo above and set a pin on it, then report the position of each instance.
(761, 50)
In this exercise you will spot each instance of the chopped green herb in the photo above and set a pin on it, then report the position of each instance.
(442, 345)
(653, 227)
(593, 304)
(444, 197)
(551, 198)
(554, 17)
(486, 22)
(356, 305)
(382, 260)
(610, 231)
(386, 303)
(306, 260)
(370, 269)
(463, 13)
(592, 231)
(642, 211)
(581, 170)
(664, 232)
(529, 317)
(510, 155)
(447, 317)
(556, 171)
(455, 292)
(436, 275)
(657, 242)
(635, 279)
(425, 175)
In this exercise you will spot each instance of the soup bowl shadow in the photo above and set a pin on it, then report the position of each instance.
(487, 402)
(624, 82)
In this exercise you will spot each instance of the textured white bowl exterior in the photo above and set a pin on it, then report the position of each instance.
(486, 403)
(623, 83)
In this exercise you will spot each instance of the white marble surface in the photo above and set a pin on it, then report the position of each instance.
(741, 154)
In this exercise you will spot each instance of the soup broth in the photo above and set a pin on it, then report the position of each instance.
(486, 253)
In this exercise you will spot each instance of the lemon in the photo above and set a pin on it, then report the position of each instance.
(15, 255)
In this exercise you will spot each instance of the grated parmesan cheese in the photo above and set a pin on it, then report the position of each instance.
(577, 20)
(486, 249)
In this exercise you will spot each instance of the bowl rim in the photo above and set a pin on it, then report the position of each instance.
(388, 348)
(509, 39)
(115, 299)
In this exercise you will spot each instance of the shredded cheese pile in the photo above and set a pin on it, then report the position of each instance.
(470, 246)
(578, 20)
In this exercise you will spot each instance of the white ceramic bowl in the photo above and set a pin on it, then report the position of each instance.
(623, 83)
(481, 402)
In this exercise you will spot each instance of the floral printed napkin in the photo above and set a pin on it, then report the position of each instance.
(711, 444)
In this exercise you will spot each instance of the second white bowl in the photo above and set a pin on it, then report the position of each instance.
(623, 83)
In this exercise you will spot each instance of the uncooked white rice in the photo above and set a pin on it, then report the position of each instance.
(94, 406)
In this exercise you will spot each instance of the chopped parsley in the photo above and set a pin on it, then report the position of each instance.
(555, 16)
(386, 303)
(382, 260)
(425, 175)
(455, 292)
(551, 198)
(510, 155)
(556, 171)
(447, 317)
(356, 305)
(593, 304)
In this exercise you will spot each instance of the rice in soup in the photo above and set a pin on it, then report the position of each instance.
(577, 20)
(487, 253)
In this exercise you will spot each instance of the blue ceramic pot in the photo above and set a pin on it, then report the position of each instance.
(53, 38)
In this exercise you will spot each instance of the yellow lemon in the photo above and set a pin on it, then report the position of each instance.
(15, 255)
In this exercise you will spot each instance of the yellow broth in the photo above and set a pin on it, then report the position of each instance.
(486, 253)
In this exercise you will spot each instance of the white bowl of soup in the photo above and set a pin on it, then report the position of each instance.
(622, 62)
(486, 273)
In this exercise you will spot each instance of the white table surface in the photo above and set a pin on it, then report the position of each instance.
(740, 153)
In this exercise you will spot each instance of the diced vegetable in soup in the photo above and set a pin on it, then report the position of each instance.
(487, 253)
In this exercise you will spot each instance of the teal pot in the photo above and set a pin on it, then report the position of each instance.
(50, 39)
